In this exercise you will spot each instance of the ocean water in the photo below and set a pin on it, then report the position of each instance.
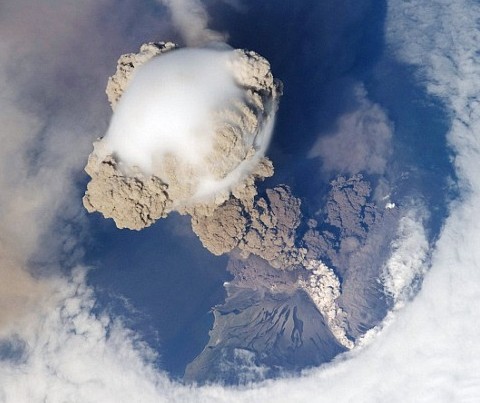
(162, 282)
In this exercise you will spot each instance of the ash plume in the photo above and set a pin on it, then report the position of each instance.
(265, 228)
(191, 127)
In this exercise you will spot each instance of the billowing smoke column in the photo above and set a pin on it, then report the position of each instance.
(190, 128)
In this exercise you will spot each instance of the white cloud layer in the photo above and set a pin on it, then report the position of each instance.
(427, 352)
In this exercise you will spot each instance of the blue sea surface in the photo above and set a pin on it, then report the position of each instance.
(164, 283)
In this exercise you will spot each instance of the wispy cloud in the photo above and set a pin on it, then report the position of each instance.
(191, 19)
(360, 142)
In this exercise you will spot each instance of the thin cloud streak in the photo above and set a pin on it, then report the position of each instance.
(191, 18)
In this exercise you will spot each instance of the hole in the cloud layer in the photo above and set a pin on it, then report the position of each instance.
(13, 350)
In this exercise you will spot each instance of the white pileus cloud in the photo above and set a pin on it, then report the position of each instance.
(168, 108)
